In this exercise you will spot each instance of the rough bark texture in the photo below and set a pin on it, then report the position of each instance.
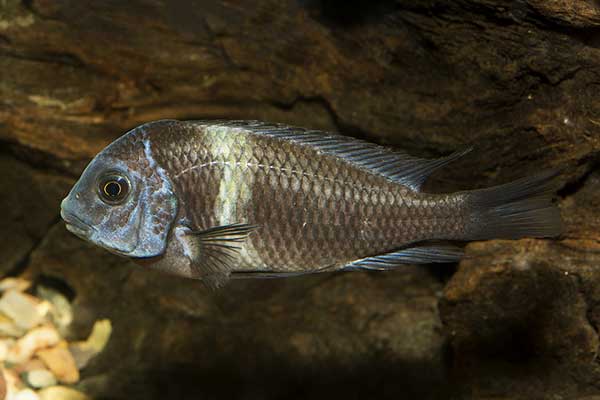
(519, 80)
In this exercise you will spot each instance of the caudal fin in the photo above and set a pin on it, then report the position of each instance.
(518, 209)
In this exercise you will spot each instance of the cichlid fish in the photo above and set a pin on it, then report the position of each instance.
(214, 200)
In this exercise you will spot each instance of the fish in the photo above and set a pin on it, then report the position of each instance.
(218, 200)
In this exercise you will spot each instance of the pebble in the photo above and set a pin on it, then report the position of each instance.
(19, 284)
(12, 383)
(26, 311)
(84, 351)
(34, 340)
(60, 361)
(39, 378)
(61, 393)
(5, 345)
(61, 310)
(33, 356)
(25, 394)
(30, 365)
(8, 327)
(12, 379)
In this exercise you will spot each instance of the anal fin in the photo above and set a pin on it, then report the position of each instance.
(411, 255)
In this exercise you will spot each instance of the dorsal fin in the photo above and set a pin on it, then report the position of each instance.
(397, 166)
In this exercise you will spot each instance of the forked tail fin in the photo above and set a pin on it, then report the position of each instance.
(522, 208)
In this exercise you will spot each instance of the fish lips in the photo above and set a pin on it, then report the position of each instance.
(85, 231)
(75, 225)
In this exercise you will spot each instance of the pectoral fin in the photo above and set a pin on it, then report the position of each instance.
(214, 252)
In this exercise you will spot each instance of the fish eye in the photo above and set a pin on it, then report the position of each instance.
(113, 188)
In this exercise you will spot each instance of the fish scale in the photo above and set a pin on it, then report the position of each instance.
(335, 227)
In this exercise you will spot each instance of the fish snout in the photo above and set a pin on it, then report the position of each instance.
(73, 223)
(63, 204)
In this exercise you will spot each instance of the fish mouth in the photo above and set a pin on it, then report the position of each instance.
(76, 225)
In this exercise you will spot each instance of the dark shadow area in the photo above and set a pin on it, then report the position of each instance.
(374, 379)
(348, 13)
(56, 283)
(493, 344)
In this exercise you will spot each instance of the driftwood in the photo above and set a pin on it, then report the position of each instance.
(518, 80)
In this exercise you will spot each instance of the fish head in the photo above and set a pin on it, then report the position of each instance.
(123, 200)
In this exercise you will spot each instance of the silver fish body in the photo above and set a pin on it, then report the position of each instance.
(220, 199)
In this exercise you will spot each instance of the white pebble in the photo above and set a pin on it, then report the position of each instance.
(19, 284)
(25, 394)
(40, 378)
(38, 338)
(25, 310)
(60, 310)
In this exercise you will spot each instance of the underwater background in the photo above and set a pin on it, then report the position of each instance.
(519, 81)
